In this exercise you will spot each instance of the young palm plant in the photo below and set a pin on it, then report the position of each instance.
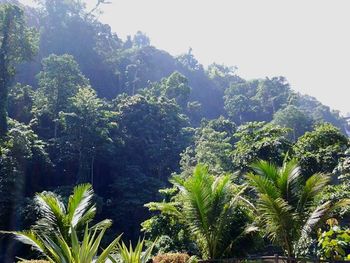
(57, 250)
(55, 217)
(56, 235)
(206, 205)
(133, 255)
(286, 203)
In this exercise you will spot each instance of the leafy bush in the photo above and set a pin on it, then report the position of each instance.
(334, 243)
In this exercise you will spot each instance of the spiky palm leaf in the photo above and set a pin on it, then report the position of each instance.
(28, 237)
(52, 213)
(79, 205)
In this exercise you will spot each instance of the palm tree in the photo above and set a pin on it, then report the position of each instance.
(287, 202)
(207, 206)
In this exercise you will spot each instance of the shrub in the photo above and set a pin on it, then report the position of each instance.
(171, 258)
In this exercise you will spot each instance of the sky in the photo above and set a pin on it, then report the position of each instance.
(308, 42)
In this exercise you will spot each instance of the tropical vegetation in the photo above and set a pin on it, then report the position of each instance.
(93, 126)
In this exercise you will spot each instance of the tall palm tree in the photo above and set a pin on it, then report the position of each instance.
(286, 204)
(206, 205)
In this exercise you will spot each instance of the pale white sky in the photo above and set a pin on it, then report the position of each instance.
(308, 42)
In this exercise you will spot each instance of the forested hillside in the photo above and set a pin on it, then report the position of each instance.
(85, 106)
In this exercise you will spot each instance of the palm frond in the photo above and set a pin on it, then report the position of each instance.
(108, 250)
(289, 180)
(322, 213)
(197, 196)
(87, 216)
(220, 197)
(146, 256)
(266, 169)
(55, 250)
(263, 185)
(313, 186)
(277, 217)
(29, 238)
(315, 217)
(52, 212)
(79, 203)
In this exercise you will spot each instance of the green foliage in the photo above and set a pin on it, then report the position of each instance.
(18, 43)
(257, 140)
(293, 118)
(320, 149)
(171, 234)
(272, 99)
(85, 131)
(21, 154)
(20, 103)
(341, 188)
(129, 195)
(208, 207)
(334, 243)
(128, 146)
(59, 80)
(256, 100)
(317, 111)
(343, 168)
(287, 205)
(174, 87)
(223, 76)
(66, 27)
(153, 133)
(33, 261)
(189, 61)
(273, 94)
(213, 144)
(239, 102)
(213, 148)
